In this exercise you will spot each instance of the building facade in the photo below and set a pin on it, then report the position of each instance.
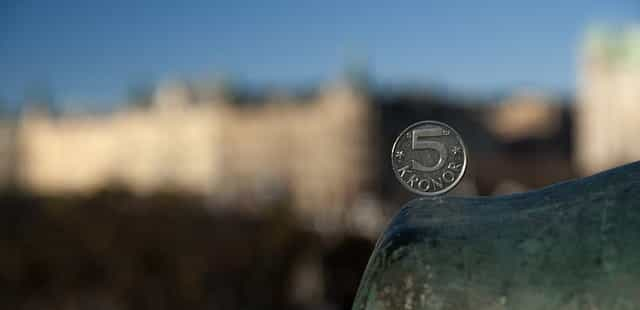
(608, 110)
(317, 150)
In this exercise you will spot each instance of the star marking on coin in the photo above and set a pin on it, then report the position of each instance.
(399, 154)
(455, 150)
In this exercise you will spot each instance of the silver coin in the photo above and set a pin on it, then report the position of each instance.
(429, 158)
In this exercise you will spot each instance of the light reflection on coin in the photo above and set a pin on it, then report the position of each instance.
(429, 158)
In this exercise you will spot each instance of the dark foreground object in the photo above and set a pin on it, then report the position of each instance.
(575, 245)
(117, 251)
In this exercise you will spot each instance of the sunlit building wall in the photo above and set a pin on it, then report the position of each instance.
(7, 153)
(608, 113)
(166, 146)
(316, 151)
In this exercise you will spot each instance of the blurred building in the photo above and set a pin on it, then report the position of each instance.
(314, 149)
(7, 153)
(532, 132)
(169, 145)
(525, 115)
(608, 113)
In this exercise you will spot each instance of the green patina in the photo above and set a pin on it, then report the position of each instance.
(619, 48)
(575, 245)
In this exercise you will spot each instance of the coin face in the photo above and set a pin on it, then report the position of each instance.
(429, 158)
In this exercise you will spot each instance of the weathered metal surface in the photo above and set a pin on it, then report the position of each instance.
(574, 245)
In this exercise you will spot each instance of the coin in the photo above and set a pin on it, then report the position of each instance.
(429, 158)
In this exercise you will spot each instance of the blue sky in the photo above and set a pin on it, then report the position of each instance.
(94, 50)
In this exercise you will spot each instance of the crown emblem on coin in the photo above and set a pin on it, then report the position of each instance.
(429, 158)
